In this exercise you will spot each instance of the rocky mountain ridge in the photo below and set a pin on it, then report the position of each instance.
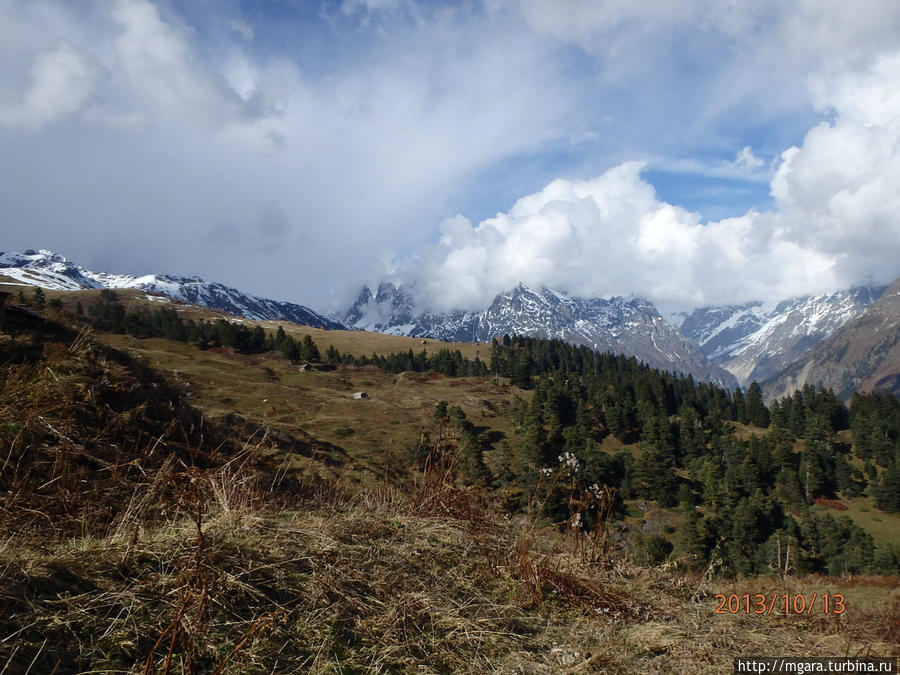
(757, 340)
(863, 354)
(52, 271)
(630, 326)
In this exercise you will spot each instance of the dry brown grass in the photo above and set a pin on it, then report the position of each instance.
(130, 544)
(365, 581)
(268, 391)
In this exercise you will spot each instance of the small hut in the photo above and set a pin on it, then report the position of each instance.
(360, 394)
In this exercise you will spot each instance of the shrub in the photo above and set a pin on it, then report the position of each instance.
(652, 550)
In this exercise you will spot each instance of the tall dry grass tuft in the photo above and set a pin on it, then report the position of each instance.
(575, 579)
(437, 490)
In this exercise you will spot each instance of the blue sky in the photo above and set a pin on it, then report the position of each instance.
(697, 152)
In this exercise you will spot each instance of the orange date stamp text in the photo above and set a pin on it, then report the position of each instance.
(780, 603)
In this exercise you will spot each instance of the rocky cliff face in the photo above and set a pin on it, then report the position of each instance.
(755, 341)
(863, 354)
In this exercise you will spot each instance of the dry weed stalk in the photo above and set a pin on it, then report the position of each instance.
(437, 491)
(174, 626)
(263, 621)
(542, 572)
(591, 547)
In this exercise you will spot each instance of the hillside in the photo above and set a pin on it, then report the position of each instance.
(280, 525)
(862, 355)
(755, 341)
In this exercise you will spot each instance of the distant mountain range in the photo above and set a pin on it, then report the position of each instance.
(845, 340)
(729, 345)
(863, 354)
(619, 325)
(756, 341)
(50, 270)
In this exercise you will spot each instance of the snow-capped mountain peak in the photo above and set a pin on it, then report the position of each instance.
(629, 326)
(756, 340)
(53, 271)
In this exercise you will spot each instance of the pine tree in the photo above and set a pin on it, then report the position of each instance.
(740, 407)
(280, 338)
(308, 350)
(757, 412)
(654, 476)
(505, 474)
(291, 350)
(777, 416)
(691, 436)
(690, 541)
(652, 550)
(257, 341)
(418, 451)
(886, 559)
(789, 487)
(797, 414)
(887, 492)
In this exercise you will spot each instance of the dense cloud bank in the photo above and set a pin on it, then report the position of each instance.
(298, 152)
(836, 221)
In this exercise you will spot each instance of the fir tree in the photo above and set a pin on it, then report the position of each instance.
(308, 350)
(757, 413)
(887, 492)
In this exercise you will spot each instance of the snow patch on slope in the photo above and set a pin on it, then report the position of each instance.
(52, 271)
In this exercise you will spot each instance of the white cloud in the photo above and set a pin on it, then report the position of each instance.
(836, 222)
(838, 192)
(61, 82)
(164, 75)
(612, 236)
(155, 145)
(747, 160)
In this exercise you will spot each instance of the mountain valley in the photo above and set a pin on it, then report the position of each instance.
(730, 345)
(156, 456)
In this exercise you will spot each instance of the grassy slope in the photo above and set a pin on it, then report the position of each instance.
(884, 527)
(270, 391)
(349, 578)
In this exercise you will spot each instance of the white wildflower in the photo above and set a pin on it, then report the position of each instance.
(569, 460)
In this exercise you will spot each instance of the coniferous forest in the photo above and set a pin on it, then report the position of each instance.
(745, 498)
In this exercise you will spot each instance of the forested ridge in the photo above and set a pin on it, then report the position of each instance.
(745, 499)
